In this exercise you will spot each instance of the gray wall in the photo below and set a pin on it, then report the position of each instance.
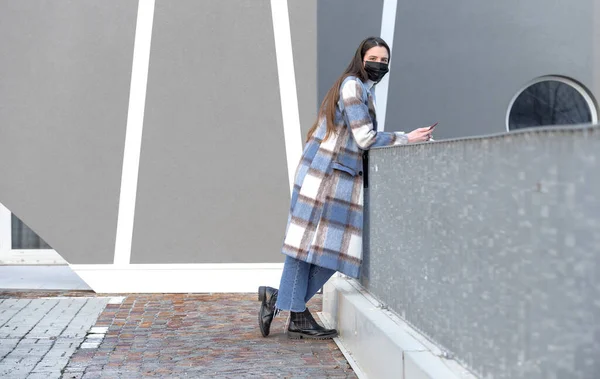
(304, 29)
(342, 25)
(461, 63)
(65, 70)
(213, 184)
(491, 247)
(213, 161)
(325, 35)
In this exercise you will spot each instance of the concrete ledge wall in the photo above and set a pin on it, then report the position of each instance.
(491, 247)
(376, 342)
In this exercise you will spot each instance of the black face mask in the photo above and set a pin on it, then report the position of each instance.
(376, 70)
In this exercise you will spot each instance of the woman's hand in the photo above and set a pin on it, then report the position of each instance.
(420, 135)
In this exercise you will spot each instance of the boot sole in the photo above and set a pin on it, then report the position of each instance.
(262, 292)
(260, 325)
(299, 336)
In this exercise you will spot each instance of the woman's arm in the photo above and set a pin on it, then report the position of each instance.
(359, 121)
(356, 114)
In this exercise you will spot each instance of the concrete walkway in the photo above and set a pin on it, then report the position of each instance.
(40, 277)
(39, 335)
(156, 335)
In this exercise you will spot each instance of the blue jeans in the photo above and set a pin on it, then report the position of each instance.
(300, 281)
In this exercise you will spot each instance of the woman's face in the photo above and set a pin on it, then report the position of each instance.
(377, 54)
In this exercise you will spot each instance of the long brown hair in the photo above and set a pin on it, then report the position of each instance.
(355, 68)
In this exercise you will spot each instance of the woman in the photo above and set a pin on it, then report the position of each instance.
(324, 231)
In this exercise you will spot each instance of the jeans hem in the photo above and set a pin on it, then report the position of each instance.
(291, 310)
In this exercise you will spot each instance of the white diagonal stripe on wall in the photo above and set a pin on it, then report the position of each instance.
(287, 86)
(388, 24)
(133, 134)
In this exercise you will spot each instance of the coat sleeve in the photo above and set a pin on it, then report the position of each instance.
(359, 121)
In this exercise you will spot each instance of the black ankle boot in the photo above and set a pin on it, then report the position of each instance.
(303, 325)
(268, 298)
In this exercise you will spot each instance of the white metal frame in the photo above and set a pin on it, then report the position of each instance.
(584, 92)
(8, 255)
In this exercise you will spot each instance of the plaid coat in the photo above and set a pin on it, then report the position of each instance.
(325, 222)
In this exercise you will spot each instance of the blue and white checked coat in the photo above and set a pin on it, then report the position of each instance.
(326, 215)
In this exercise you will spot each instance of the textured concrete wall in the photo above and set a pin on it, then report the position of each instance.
(491, 247)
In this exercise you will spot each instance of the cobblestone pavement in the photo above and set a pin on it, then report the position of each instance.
(38, 336)
(199, 336)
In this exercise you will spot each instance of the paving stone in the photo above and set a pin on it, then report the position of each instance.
(58, 318)
(45, 375)
(90, 345)
(26, 318)
(99, 329)
(31, 342)
(7, 345)
(194, 335)
(179, 336)
(10, 307)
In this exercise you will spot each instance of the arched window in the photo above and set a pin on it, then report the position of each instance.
(551, 100)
